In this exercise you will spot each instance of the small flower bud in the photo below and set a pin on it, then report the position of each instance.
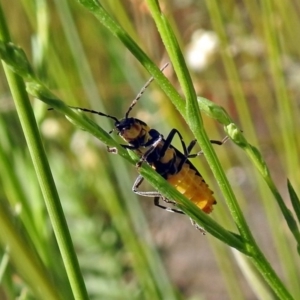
(16, 59)
(214, 111)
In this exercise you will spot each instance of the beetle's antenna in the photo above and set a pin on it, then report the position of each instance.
(139, 95)
(91, 111)
(95, 112)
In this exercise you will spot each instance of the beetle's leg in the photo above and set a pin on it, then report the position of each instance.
(187, 154)
(186, 150)
(198, 227)
(169, 140)
(152, 143)
(191, 146)
(220, 142)
(114, 150)
(136, 185)
(166, 145)
(169, 209)
(167, 200)
(154, 194)
(212, 141)
(157, 196)
(150, 150)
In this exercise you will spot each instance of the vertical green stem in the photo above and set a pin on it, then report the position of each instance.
(44, 175)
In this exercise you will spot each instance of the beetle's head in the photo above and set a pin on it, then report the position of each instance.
(130, 128)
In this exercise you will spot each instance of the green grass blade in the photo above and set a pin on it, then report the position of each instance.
(24, 258)
(294, 200)
(42, 169)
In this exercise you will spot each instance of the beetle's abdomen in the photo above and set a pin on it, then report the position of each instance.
(193, 187)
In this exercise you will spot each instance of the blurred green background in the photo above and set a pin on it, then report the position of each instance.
(243, 55)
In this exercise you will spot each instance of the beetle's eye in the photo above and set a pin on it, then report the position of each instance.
(124, 128)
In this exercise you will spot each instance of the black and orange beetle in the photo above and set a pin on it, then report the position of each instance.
(165, 159)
